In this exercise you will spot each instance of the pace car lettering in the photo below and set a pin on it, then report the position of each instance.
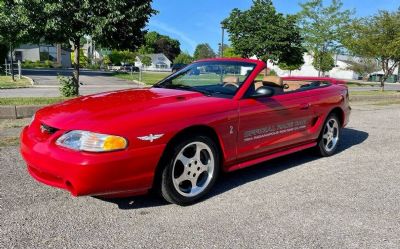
(272, 130)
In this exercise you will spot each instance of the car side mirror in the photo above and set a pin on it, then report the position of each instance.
(263, 91)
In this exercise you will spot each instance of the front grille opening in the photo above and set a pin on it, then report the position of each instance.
(48, 129)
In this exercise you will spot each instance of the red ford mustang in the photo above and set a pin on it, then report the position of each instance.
(213, 115)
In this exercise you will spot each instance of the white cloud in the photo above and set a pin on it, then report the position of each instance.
(182, 36)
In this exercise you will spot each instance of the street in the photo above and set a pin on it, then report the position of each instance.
(349, 200)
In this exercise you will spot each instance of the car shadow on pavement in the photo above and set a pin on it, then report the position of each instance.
(228, 181)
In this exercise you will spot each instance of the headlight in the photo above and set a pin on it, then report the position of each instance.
(91, 142)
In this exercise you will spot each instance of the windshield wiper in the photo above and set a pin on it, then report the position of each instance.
(189, 88)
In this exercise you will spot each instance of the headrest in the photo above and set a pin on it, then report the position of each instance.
(274, 80)
(231, 79)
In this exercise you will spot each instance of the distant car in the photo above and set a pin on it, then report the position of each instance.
(178, 135)
(128, 68)
(177, 67)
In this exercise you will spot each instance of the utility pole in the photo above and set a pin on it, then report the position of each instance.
(222, 40)
(12, 62)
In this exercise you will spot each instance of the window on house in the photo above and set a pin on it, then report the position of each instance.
(48, 53)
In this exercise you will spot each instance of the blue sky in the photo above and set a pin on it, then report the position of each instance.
(193, 22)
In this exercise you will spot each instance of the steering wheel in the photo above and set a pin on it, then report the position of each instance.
(231, 85)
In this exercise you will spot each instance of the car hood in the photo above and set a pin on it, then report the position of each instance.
(114, 111)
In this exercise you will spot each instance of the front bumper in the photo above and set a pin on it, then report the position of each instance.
(128, 172)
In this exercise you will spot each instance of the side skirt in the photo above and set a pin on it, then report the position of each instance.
(270, 156)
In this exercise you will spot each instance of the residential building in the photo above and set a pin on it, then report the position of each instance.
(159, 62)
(43, 52)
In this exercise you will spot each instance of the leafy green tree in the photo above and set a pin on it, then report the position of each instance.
(111, 23)
(230, 52)
(146, 60)
(263, 32)
(83, 60)
(323, 61)
(377, 37)
(183, 58)
(363, 67)
(157, 43)
(203, 51)
(14, 28)
(117, 57)
(323, 28)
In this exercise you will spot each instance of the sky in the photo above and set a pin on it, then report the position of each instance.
(198, 21)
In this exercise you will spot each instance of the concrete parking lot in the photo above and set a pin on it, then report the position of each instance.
(350, 200)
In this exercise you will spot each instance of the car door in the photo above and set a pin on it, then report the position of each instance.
(272, 123)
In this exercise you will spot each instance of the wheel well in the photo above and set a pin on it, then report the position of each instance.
(339, 113)
(198, 129)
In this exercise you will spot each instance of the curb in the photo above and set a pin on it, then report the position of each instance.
(373, 98)
(15, 112)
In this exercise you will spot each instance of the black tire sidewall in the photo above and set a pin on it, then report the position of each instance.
(168, 190)
(321, 147)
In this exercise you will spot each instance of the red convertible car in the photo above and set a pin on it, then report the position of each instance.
(211, 116)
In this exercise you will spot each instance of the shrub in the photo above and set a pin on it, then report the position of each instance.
(67, 86)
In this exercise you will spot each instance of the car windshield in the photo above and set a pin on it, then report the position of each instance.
(216, 78)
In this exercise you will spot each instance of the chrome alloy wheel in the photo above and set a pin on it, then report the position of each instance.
(331, 134)
(193, 169)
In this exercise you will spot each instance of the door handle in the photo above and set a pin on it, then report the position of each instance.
(305, 106)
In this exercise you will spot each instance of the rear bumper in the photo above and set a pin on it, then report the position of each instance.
(128, 172)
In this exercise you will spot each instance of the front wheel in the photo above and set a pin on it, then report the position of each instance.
(190, 171)
(330, 136)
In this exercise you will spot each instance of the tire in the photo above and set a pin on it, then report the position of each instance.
(190, 171)
(330, 136)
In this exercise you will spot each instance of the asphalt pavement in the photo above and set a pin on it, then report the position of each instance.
(349, 200)
(48, 77)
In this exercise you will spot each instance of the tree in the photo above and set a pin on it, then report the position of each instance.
(230, 52)
(117, 57)
(146, 60)
(323, 28)
(203, 51)
(263, 32)
(112, 23)
(363, 67)
(183, 58)
(157, 43)
(13, 29)
(377, 37)
(323, 61)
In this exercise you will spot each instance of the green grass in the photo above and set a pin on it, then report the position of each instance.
(13, 123)
(374, 93)
(149, 78)
(31, 100)
(387, 102)
(9, 141)
(6, 82)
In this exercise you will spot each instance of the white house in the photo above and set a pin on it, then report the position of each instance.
(159, 62)
(43, 52)
(340, 71)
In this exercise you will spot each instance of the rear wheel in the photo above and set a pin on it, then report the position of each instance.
(191, 170)
(330, 136)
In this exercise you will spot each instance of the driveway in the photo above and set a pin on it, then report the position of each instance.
(46, 83)
(48, 77)
(349, 200)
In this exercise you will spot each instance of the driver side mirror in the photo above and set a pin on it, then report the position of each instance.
(263, 91)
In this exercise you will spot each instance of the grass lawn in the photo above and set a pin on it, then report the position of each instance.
(31, 100)
(149, 78)
(375, 93)
(358, 84)
(6, 82)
